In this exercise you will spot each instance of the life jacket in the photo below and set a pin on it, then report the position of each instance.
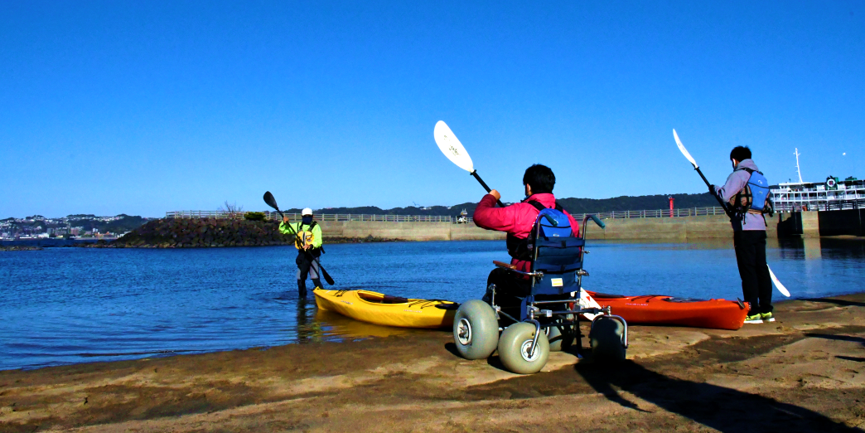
(306, 237)
(754, 197)
(551, 222)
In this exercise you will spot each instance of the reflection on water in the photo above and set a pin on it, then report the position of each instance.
(337, 325)
(813, 250)
(314, 325)
(818, 267)
(67, 305)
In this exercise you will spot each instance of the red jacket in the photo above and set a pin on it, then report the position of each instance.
(516, 219)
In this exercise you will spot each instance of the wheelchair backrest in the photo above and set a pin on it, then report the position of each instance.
(556, 253)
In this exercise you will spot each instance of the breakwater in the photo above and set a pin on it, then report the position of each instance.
(678, 229)
(209, 232)
(214, 233)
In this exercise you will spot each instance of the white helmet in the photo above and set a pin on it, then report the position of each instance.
(306, 211)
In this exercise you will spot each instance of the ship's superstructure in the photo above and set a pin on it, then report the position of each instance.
(831, 194)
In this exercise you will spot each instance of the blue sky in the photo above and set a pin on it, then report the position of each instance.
(146, 107)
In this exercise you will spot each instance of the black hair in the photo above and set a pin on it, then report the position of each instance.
(740, 153)
(540, 178)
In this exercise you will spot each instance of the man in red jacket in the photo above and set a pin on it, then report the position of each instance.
(517, 220)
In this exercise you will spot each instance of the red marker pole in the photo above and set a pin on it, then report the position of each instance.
(671, 206)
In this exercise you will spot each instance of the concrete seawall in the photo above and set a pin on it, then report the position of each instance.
(680, 229)
(654, 229)
(409, 231)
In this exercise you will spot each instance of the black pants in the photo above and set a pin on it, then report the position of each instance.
(509, 288)
(305, 264)
(751, 258)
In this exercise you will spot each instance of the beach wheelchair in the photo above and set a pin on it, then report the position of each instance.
(546, 319)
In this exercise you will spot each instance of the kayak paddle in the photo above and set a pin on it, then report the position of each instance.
(697, 167)
(450, 145)
(729, 213)
(271, 201)
(778, 284)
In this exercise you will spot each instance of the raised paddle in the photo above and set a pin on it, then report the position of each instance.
(727, 210)
(268, 198)
(450, 145)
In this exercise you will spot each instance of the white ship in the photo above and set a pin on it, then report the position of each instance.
(831, 194)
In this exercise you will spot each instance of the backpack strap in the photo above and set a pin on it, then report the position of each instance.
(541, 207)
(537, 205)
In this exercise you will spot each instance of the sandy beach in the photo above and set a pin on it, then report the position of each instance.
(805, 372)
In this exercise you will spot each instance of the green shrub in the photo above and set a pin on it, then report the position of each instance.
(254, 216)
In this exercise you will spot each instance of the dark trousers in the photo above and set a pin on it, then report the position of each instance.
(306, 267)
(751, 258)
(510, 289)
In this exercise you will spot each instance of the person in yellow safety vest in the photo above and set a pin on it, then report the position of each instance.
(308, 244)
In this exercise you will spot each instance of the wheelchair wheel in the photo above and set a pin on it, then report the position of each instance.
(607, 340)
(515, 347)
(561, 336)
(476, 330)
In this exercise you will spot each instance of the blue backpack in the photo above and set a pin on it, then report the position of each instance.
(551, 223)
(754, 197)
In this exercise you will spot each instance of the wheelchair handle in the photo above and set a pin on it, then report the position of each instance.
(598, 221)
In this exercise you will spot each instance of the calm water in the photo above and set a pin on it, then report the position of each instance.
(70, 305)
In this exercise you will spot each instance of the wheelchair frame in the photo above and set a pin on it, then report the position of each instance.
(532, 311)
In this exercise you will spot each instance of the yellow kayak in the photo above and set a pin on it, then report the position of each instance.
(381, 309)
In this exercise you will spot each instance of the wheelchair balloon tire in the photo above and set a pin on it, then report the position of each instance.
(476, 330)
(515, 347)
(607, 341)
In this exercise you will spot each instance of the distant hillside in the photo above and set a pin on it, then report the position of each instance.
(645, 202)
(573, 205)
(36, 224)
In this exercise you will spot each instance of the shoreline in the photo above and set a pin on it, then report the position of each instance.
(369, 239)
(805, 372)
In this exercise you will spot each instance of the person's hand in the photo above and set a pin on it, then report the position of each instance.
(496, 194)
(285, 219)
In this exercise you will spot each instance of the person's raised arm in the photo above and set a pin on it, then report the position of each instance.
(490, 217)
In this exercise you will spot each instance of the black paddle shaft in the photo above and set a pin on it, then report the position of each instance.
(484, 184)
(721, 202)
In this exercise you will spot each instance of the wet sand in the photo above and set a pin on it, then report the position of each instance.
(805, 372)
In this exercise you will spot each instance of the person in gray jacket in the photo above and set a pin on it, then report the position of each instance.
(749, 238)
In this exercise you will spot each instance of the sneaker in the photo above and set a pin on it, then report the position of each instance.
(753, 318)
(767, 317)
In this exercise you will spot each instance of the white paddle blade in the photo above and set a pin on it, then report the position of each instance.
(451, 147)
(778, 284)
(683, 150)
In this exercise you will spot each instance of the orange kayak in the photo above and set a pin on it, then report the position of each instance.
(667, 310)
